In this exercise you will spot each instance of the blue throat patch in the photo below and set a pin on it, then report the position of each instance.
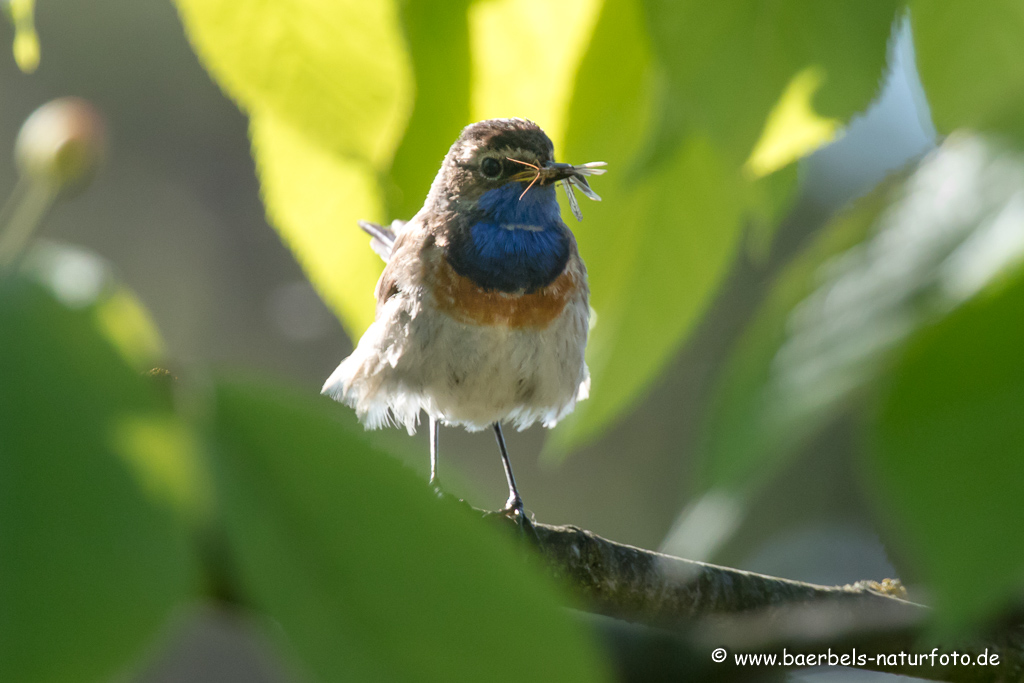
(513, 244)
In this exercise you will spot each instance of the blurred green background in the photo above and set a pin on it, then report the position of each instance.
(773, 369)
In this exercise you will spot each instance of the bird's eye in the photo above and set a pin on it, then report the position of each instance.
(490, 168)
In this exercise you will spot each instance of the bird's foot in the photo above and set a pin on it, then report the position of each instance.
(440, 493)
(513, 507)
(514, 511)
(524, 525)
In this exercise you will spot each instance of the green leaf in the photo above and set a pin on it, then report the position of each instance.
(793, 129)
(92, 556)
(438, 37)
(314, 198)
(335, 70)
(971, 62)
(769, 198)
(730, 62)
(525, 55)
(677, 199)
(657, 246)
(948, 456)
(329, 88)
(370, 576)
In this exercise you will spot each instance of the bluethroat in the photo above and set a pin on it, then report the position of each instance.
(482, 312)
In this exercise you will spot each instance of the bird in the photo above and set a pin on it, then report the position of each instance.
(483, 311)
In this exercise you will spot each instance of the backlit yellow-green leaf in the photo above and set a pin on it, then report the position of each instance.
(336, 70)
(793, 129)
(525, 56)
(314, 198)
(329, 88)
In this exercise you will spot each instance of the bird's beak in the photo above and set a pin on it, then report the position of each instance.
(553, 171)
(569, 175)
(576, 176)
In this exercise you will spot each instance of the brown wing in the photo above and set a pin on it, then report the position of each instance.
(388, 284)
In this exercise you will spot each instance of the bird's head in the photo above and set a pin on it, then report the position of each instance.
(490, 154)
(513, 156)
(493, 204)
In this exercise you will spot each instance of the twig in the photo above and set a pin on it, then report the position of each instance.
(692, 608)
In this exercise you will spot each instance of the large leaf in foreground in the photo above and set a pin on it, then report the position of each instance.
(369, 574)
(92, 558)
(948, 455)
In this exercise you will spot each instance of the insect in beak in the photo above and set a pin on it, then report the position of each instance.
(535, 173)
(568, 175)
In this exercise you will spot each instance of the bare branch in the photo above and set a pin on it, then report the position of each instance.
(693, 608)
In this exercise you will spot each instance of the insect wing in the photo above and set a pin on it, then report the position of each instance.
(592, 168)
(573, 204)
(583, 186)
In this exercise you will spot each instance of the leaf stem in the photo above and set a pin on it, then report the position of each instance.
(23, 212)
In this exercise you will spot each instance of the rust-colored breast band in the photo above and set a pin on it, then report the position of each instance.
(467, 302)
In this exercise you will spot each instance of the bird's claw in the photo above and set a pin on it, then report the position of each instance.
(513, 507)
(514, 511)
(441, 494)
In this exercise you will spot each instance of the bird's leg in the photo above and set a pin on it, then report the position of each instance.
(435, 430)
(514, 505)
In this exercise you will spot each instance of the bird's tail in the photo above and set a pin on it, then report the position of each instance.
(382, 239)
